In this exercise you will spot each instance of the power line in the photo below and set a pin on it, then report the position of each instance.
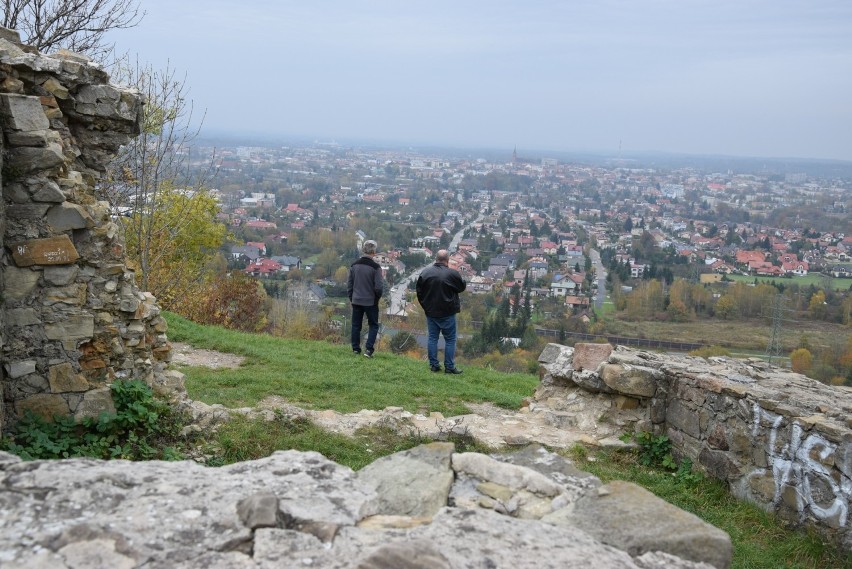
(773, 349)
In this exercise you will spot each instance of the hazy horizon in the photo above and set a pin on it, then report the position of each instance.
(759, 79)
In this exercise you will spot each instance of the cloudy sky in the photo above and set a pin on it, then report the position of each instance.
(730, 77)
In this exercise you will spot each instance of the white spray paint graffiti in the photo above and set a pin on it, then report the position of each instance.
(794, 466)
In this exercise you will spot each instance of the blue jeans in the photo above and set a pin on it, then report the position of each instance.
(445, 325)
(358, 313)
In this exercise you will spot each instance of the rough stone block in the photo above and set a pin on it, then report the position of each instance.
(72, 295)
(63, 379)
(49, 251)
(94, 402)
(551, 352)
(260, 511)
(48, 191)
(414, 482)
(20, 368)
(27, 213)
(61, 275)
(45, 405)
(71, 331)
(29, 138)
(717, 439)
(67, 216)
(719, 464)
(618, 514)
(684, 418)
(630, 380)
(22, 112)
(30, 159)
(590, 356)
(18, 317)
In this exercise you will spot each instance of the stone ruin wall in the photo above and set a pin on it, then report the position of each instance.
(779, 439)
(72, 318)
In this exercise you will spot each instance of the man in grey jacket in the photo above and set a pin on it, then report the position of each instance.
(365, 288)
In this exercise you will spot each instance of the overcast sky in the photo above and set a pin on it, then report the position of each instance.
(732, 77)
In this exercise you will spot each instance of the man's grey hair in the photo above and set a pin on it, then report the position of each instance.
(370, 247)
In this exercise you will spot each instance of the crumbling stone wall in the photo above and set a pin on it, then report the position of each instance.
(72, 318)
(779, 439)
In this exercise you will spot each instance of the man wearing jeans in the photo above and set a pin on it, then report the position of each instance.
(438, 289)
(365, 288)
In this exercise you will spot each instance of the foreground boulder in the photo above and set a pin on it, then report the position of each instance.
(300, 509)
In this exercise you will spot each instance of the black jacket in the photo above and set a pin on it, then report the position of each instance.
(365, 283)
(438, 289)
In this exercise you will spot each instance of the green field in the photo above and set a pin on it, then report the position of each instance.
(820, 281)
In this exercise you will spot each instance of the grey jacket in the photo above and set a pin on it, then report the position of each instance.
(365, 285)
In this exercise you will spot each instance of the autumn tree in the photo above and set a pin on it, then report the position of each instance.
(726, 307)
(801, 360)
(234, 301)
(76, 25)
(680, 301)
(175, 244)
(169, 217)
(645, 300)
(816, 305)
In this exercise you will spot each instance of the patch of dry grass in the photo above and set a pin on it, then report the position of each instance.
(745, 334)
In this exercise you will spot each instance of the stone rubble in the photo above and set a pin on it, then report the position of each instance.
(424, 507)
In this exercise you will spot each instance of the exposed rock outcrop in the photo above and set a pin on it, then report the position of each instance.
(425, 507)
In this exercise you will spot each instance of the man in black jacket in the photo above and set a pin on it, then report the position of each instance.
(365, 288)
(438, 289)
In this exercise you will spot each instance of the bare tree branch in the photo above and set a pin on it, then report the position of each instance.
(77, 25)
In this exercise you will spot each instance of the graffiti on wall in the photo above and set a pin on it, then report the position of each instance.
(801, 469)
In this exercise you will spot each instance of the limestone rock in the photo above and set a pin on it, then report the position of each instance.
(19, 283)
(22, 113)
(63, 379)
(636, 381)
(619, 513)
(488, 469)
(29, 159)
(575, 482)
(415, 482)
(67, 216)
(551, 352)
(590, 356)
(45, 405)
(94, 403)
(20, 368)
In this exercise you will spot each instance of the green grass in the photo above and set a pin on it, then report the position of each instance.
(760, 540)
(812, 279)
(242, 439)
(319, 375)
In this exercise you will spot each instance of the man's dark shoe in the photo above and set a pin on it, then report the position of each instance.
(454, 371)
(435, 368)
(368, 354)
(356, 352)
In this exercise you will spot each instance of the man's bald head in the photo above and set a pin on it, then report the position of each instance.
(442, 257)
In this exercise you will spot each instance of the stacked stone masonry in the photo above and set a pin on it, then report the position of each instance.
(779, 439)
(72, 318)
